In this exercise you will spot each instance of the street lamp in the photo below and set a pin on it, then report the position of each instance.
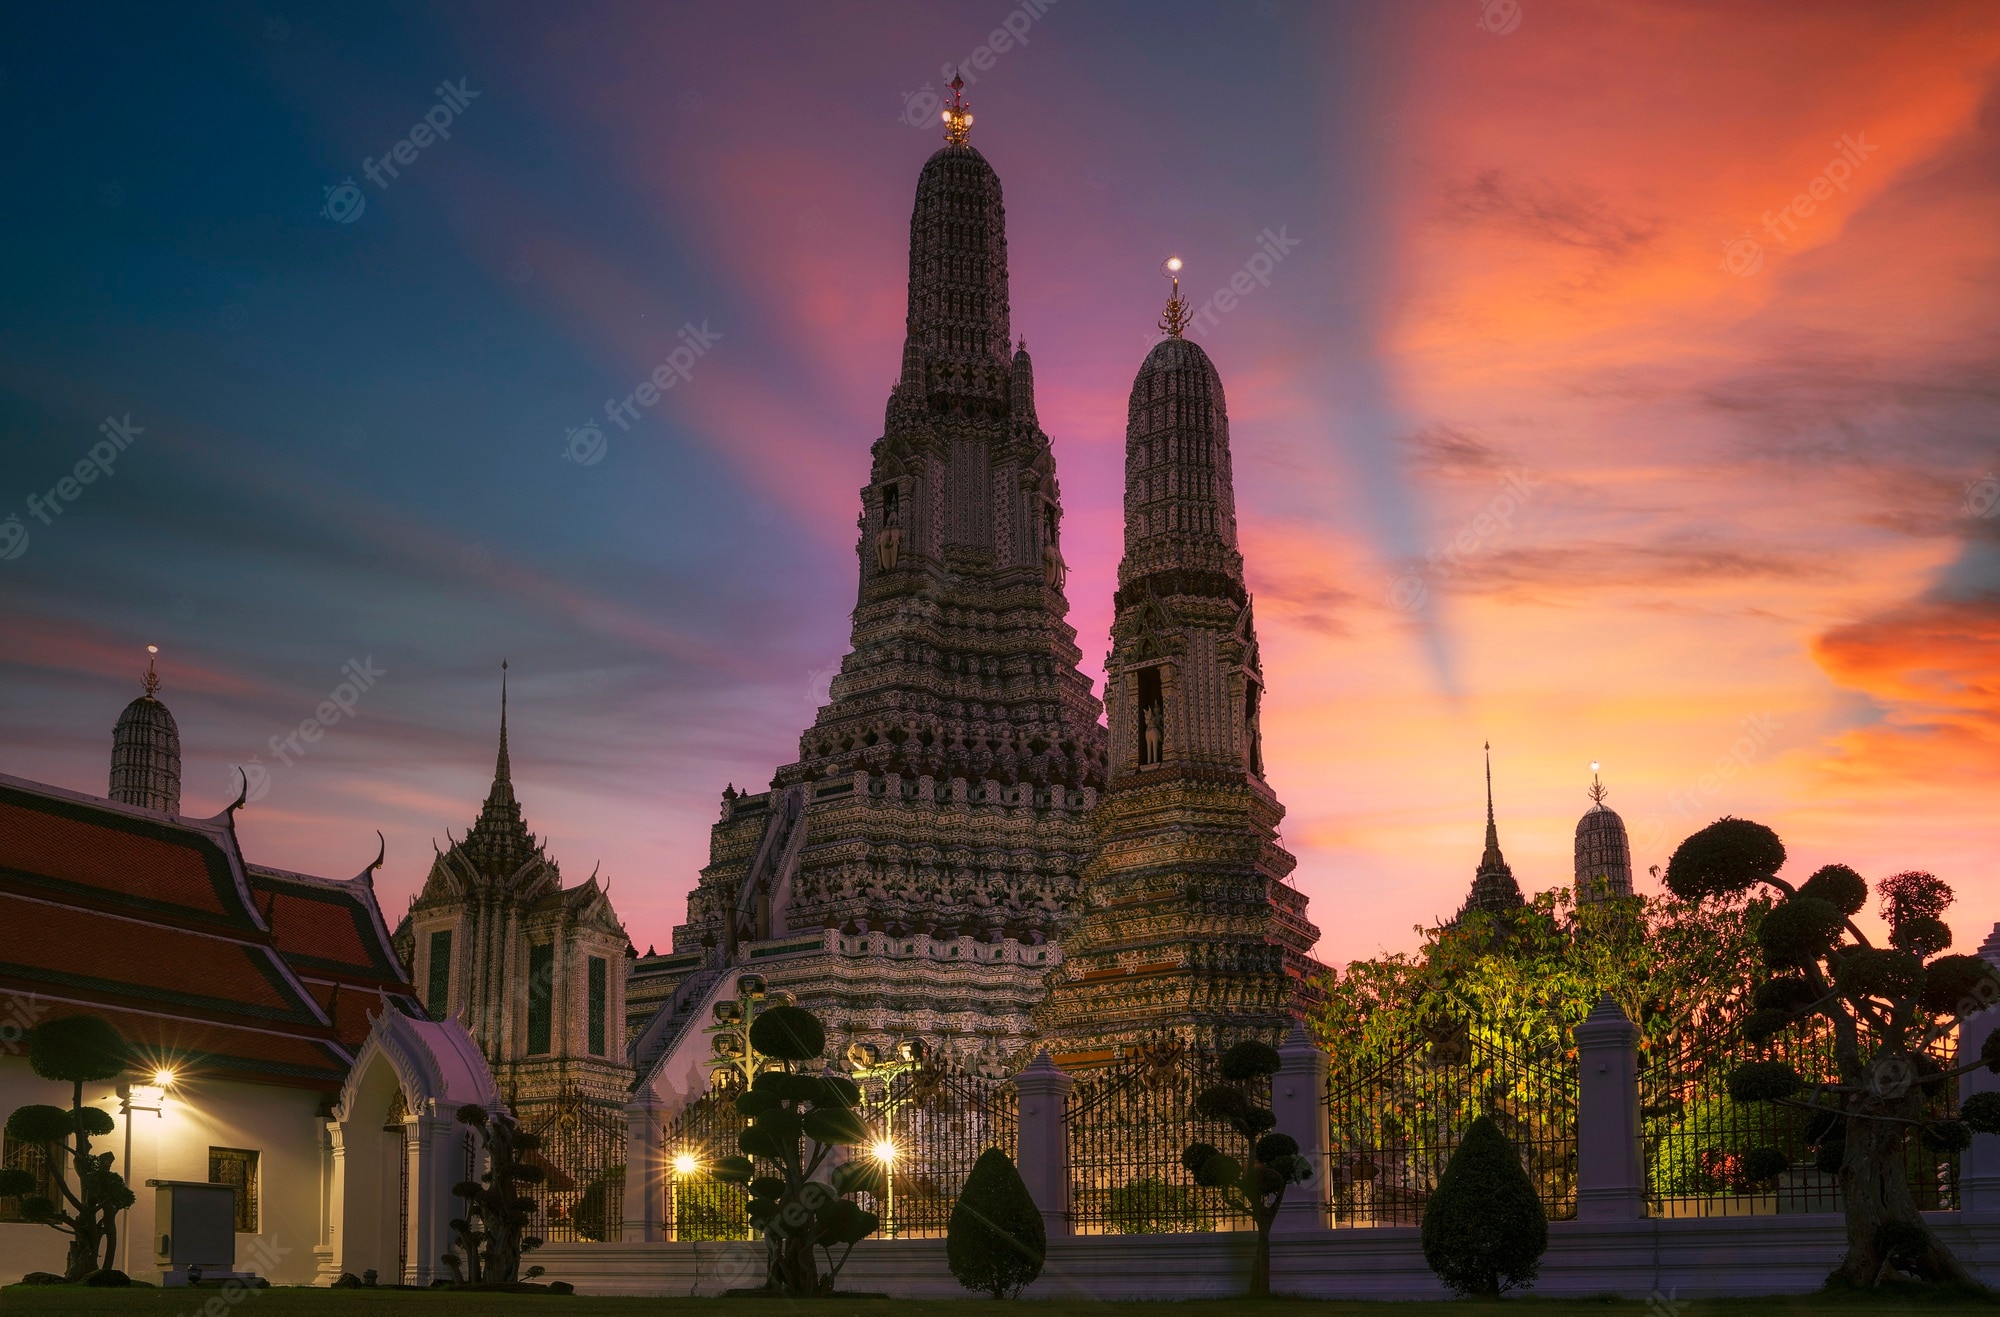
(866, 1060)
(731, 1031)
(138, 1097)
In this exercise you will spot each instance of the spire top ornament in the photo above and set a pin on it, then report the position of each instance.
(1597, 788)
(152, 678)
(1176, 318)
(957, 115)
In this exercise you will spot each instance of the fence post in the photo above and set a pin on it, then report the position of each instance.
(645, 1169)
(1610, 1169)
(1044, 1139)
(1979, 1166)
(1298, 1099)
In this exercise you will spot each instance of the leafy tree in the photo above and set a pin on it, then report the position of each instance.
(796, 1121)
(1888, 1008)
(1255, 1183)
(1151, 1206)
(77, 1050)
(492, 1235)
(1484, 1228)
(599, 1205)
(995, 1240)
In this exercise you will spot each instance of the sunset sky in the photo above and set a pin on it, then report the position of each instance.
(1631, 393)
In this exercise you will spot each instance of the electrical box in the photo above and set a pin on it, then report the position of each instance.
(194, 1224)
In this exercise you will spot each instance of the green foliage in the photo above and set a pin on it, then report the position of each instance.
(996, 1240)
(78, 1049)
(1838, 886)
(601, 1203)
(1981, 1112)
(1765, 1024)
(1786, 992)
(1484, 1230)
(1726, 858)
(796, 1121)
(41, 1124)
(1921, 935)
(1763, 1081)
(1798, 931)
(1873, 973)
(1151, 1206)
(1762, 1165)
(788, 1033)
(17, 1183)
(1249, 1059)
(1959, 985)
(1947, 1136)
(492, 1235)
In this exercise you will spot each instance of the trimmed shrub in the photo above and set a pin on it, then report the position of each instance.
(1798, 931)
(1484, 1229)
(1838, 886)
(1728, 856)
(995, 1241)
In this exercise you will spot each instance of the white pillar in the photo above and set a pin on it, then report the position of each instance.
(1044, 1159)
(1610, 1167)
(645, 1169)
(1979, 1167)
(1298, 1099)
(335, 1199)
(437, 1163)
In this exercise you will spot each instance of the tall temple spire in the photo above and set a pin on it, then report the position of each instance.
(503, 771)
(499, 841)
(146, 749)
(1603, 851)
(1493, 887)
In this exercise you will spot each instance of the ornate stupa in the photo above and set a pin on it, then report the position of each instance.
(537, 970)
(1190, 931)
(910, 872)
(1494, 890)
(146, 750)
(1603, 852)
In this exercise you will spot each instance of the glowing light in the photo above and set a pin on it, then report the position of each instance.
(685, 1164)
(885, 1152)
(163, 1079)
(1174, 264)
(1593, 765)
(152, 649)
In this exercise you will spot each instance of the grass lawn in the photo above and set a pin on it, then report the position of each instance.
(339, 1303)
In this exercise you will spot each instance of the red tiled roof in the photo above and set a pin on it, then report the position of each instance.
(223, 1052)
(326, 926)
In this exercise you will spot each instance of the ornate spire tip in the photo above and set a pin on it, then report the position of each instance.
(957, 115)
(1176, 319)
(152, 678)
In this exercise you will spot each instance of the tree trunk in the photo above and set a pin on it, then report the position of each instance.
(1260, 1265)
(1874, 1181)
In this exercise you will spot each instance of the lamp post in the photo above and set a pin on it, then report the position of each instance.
(730, 1033)
(130, 1098)
(866, 1060)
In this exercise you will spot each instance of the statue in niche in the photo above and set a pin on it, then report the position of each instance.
(889, 540)
(1149, 722)
(1054, 570)
(1253, 727)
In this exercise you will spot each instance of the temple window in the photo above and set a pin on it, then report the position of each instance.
(599, 992)
(438, 997)
(541, 996)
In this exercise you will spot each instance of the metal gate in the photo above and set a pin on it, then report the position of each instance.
(1127, 1127)
(936, 1120)
(582, 1154)
(1393, 1122)
(703, 1133)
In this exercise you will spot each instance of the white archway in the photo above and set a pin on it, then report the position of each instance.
(398, 1149)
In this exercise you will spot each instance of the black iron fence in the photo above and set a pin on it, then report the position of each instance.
(1698, 1140)
(1393, 1122)
(1127, 1127)
(930, 1125)
(705, 1132)
(582, 1156)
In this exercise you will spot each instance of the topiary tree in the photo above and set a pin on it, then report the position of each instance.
(995, 1240)
(76, 1050)
(1254, 1184)
(797, 1120)
(1888, 1008)
(492, 1235)
(1151, 1206)
(1484, 1227)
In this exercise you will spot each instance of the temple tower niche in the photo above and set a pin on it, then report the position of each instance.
(146, 751)
(1190, 928)
(912, 871)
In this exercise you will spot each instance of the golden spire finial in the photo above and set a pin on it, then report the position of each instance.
(1176, 318)
(1597, 788)
(957, 115)
(152, 677)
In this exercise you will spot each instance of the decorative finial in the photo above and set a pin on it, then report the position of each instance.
(152, 678)
(1176, 318)
(1597, 789)
(957, 115)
